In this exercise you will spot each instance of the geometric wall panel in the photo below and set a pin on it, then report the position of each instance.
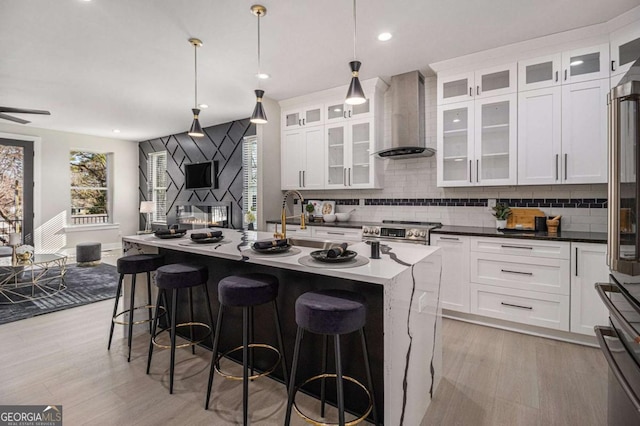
(222, 143)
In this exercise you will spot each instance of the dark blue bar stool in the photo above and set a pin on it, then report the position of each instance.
(246, 291)
(172, 278)
(331, 313)
(133, 265)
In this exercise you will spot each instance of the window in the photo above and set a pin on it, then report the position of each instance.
(157, 185)
(89, 188)
(250, 185)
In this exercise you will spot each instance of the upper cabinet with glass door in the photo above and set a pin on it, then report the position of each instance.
(307, 116)
(339, 111)
(625, 50)
(573, 66)
(483, 83)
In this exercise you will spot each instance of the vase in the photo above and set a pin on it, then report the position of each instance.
(501, 224)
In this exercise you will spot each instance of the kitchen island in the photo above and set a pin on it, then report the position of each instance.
(403, 311)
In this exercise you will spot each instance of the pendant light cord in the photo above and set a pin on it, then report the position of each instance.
(195, 56)
(355, 29)
(259, 67)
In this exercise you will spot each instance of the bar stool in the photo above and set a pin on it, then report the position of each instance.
(246, 291)
(331, 312)
(175, 277)
(133, 265)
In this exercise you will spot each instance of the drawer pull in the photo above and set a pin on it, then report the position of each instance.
(335, 233)
(516, 247)
(517, 272)
(450, 238)
(516, 306)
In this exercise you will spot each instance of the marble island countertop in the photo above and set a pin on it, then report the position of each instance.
(395, 257)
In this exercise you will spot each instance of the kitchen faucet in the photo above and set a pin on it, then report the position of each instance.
(284, 217)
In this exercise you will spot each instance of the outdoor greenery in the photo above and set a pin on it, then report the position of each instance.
(89, 188)
(11, 194)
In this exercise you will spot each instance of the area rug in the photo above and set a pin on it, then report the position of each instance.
(84, 285)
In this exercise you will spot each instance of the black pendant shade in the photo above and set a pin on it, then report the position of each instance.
(196, 129)
(355, 95)
(259, 116)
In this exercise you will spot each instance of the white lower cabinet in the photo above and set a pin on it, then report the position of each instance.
(454, 283)
(588, 266)
(528, 307)
(333, 233)
(525, 281)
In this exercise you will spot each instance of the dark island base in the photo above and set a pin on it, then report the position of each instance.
(292, 285)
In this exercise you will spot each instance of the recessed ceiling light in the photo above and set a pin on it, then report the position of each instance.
(203, 106)
(575, 63)
(263, 76)
(114, 130)
(384, 36)
(456, 120)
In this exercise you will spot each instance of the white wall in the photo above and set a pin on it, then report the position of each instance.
(52, 196)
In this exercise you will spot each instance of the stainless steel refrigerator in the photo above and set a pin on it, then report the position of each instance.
(620, 339)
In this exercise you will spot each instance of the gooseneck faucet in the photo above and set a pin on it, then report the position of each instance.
(284, 217)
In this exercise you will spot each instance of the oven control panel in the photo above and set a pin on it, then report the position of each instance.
(395, 233)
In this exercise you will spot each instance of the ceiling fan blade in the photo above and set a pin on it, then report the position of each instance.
(10, 118)
(24, 111)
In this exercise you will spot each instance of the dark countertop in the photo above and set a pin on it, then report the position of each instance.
(336, 224)
(475, 231)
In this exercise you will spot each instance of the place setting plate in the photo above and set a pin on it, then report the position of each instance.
(170, 236)
(319, 259)
(278, 251)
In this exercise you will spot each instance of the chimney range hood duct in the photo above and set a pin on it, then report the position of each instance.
(407, 118)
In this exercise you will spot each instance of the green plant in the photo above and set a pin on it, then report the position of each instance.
(501, 211)
(309, 208)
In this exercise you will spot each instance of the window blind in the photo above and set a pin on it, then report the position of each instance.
(157, 185)
(250, 175)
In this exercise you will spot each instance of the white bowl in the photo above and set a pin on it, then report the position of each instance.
(343, 217)
(329, 217)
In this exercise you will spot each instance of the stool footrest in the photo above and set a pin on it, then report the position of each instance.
(255, 376)
(183, 345)
(313, 421)
(135, 309)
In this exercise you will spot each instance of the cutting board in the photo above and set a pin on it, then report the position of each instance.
(524, 217)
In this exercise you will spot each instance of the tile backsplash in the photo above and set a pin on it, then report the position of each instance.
(410, 192)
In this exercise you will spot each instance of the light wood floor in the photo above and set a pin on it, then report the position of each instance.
(491, 377)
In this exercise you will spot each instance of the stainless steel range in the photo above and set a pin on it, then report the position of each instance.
(400, 231)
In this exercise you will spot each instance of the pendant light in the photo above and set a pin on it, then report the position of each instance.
(259, 116)
(196, 130)
(355, 95)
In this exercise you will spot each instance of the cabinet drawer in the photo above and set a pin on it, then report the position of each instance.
(520, 247)
(527, 307)
(349, 234)
(537, 274)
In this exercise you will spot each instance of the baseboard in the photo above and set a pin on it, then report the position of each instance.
(548, 333)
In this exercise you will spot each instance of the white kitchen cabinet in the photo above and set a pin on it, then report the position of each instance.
(454, 282)
(348, 159)
(336, 233)
(572, 66)
(539, 136)
(494, 81)
(584, 132)
(562, 134)
(588, 267)
(477, 142)
(337, 110)
(625, 49)
(308, 116)
(302, 154)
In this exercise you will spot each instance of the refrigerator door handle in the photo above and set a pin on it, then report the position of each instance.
(613, 365)
(601, 288)
(613, 231)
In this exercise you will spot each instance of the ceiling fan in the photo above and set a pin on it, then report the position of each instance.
(20, 111)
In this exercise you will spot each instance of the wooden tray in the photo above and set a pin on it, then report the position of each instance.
(524, 217)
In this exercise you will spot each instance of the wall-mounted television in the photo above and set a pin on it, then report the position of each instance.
(201, 175)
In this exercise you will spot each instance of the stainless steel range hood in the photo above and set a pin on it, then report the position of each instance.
(407, 118)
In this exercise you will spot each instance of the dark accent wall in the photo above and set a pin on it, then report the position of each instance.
(222, 143)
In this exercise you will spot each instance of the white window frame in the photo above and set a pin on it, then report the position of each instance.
(249, 188)
(159, 214)
(109, 189)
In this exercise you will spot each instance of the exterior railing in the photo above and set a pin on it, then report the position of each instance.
(89, 219)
